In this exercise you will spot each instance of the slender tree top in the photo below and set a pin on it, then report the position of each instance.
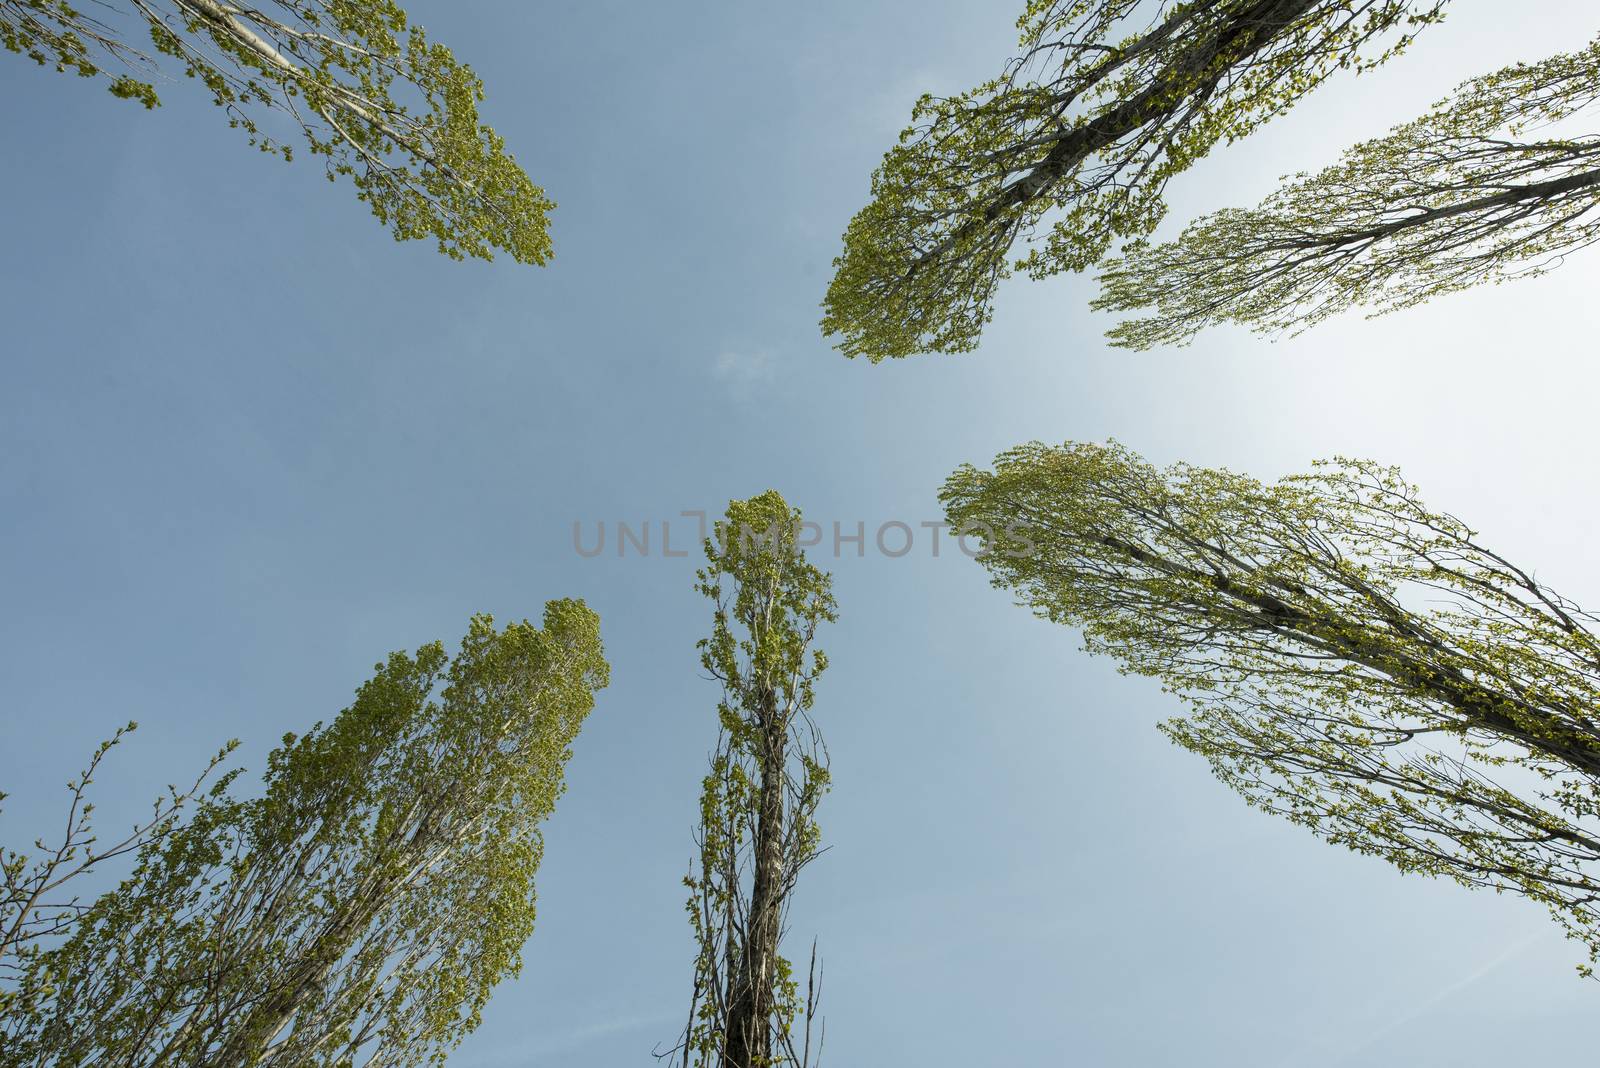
(1354, 661)
(1090, 121)
(1459, 197)
(763, 632)
(379, 102)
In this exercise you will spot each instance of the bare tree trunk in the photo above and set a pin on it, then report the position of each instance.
(1248, 33)
(747, 1042)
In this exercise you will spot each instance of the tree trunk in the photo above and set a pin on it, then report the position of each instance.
(1479, 705)
(1249, 33)
(747, 1042)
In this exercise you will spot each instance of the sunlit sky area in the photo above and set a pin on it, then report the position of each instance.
(248, 445)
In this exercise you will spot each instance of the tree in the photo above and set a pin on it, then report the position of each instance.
(758, 802)
(1457, 198)
(1085, 123)
(362, 909)
(1352, 660)
(382, 104)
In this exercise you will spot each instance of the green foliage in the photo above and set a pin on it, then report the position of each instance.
(1451, 200)
(758, 801)
(35, 906)
(1086, 123)
(1354, 662)
(365, 906)
(371, 95)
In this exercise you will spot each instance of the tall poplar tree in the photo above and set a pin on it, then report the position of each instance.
(359, 912)
(758, 802)
(1352, 660)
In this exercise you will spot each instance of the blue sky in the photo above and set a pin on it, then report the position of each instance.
(248, 445)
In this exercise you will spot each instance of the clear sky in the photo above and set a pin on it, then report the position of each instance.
(248, 445)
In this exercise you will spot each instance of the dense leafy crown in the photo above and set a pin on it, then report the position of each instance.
(383, 105)
(1459, 197)
(364, 907)
(1354, 661)
(1090, 122)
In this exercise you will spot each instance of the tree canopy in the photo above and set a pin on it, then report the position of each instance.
(1352, 660)
(758, 802)
(364, 907)
(1091, 122)
(382, 105)
(1456, 198)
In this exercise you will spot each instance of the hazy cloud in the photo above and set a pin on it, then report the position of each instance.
(745, 372)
